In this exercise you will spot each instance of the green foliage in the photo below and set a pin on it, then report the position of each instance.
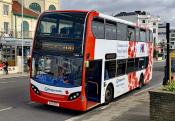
(170, 87)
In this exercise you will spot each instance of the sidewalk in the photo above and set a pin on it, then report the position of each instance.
(131, 108)
(13, 75)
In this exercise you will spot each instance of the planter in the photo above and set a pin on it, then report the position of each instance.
(162, 105)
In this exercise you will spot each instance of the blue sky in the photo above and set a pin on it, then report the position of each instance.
(163, 8)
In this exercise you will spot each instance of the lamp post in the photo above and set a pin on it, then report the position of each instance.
(22, 37)
(167, 73)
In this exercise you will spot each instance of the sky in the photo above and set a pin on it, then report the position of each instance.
(163, 8)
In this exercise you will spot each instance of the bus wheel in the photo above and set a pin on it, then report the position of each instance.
(108, 94)
(141, 82)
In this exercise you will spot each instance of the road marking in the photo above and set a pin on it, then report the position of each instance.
(8, 108)
(31, 103)
(6, 82)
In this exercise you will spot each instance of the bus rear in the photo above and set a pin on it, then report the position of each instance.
(57, 60)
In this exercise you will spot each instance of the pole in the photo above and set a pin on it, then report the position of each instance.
(22, 37)
(167, 74)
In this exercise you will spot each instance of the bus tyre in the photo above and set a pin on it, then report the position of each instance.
(108, 94)
(141, 82)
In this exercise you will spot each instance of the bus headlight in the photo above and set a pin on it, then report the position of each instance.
(35, 89)
(74, 95)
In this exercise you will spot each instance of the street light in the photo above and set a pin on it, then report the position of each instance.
(167, 73)
(22, 37)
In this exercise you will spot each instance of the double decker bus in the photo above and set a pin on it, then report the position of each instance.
(81, 59)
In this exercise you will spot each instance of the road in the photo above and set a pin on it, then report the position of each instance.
(16, 106)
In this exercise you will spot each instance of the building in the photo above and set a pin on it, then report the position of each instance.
(5, 16)
(162, 32)
(41, 5)
(29, 21)
(172, 39)
(11, 28)
(142, 18)
(32, 9)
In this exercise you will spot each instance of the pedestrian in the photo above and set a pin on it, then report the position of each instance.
(28, 63)
(5, 67)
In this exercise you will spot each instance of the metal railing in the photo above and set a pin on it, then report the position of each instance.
(17, 34)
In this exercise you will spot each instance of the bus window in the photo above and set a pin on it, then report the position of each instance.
(98, 28)
(146, 62)
(136, 64)
(130, 66)
(60, 33)
(121, 31)
(147, 36)
(151, 36)
(111, 30)
(110, 69)
(131, 34)
(137, 34)
(121, 67)
(142, 62)
(142, 36)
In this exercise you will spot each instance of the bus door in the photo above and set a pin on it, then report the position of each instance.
(93, 80)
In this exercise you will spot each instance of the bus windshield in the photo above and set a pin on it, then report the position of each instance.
(58, 71)
(57, 52)
(60, 32)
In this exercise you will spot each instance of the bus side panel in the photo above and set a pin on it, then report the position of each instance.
(89, 48)
(149, 69)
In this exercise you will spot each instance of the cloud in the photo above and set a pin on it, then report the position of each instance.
(163, 8)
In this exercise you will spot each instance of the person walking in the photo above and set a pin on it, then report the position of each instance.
(6, 67)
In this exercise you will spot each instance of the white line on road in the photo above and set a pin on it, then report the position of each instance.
(31, 103)
(8, 108)
(6, 82)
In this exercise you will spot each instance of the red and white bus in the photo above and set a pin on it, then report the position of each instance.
(81, 59)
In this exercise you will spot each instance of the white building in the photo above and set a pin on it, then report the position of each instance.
(162, 32)
(142, 18)
(172, 39)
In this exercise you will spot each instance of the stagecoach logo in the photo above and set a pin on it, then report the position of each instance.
(120, 82)
(52, 90)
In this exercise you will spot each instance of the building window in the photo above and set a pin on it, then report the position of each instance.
(154, 30)
(6, 9)
(154, 23)
(35, 7)
(172, 35)
(6, 27)
(25, 29)
(52, 7)
(143, 21)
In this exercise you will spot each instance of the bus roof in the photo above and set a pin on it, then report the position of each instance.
(122, 21)
(103, 16)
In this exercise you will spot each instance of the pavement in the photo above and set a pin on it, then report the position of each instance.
(3, 76)
(133, 108)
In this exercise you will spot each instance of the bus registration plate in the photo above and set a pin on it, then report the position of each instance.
(53, 103)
